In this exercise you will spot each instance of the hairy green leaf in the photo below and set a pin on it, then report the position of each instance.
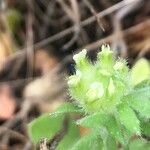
(44, 127)
(70, 138)
(139, 145)
(91, 141)
(67, 108)
(145, 127)
(93, 120)
(145, 91)
(111, 144)
(140, 93)
(47, 126)
(139, 98)
(114, 129)
(128, 118)
(142, 84)
(141, 105)
(140, 71)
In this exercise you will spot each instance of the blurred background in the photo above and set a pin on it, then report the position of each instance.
(37, 41)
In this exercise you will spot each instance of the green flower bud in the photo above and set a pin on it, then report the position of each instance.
(75, 79)
(121, 67)
(80, 59)
(118, 66)
(99, 86)
(111, 87)
(105, 72)
(95, 92)
(106, 57)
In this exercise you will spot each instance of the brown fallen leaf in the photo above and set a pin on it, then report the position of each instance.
(7, 103)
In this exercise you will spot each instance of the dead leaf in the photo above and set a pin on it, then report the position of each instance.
(7, 103)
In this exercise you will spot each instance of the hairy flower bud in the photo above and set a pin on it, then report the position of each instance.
(111, 87)
(99, 86)
(106, 57)
(80, 59)
(75, 79)
(96, 91)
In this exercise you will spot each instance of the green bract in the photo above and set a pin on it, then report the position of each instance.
(99, 87)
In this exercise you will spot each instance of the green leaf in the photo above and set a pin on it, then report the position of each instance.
(140, 71)
(114, 129)
(93, 120)
(128, 118)
(145, 127)
(139, 98)
(139, 145)
(143, 84)
(47, 126)
(101, 119)
(127, 135)
(44, 127)
(70, 138)
(145, 91)
(141, 105)
(111, 143)
(91, 141)
(141, 92)
(67, 108)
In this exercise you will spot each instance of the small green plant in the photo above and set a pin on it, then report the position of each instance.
(115, 109)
